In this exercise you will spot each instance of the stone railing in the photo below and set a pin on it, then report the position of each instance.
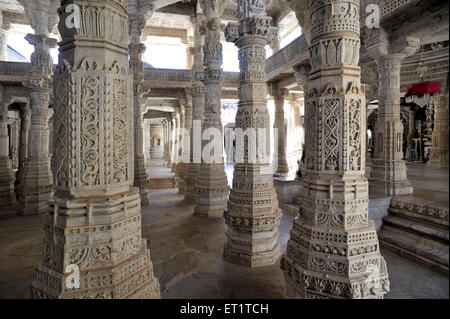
(151, 74)
(293, 54)
(14, 69)
(176, 75)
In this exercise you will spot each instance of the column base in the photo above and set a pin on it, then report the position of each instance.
(252, 250)
(322, 263)
(191, 190)
(438, 163)
(391, 177)
(35, 187)
(212, 190)
(392, 188)
(132, 279)
(182, 170)
(317, 286)
(102, 236)
(7, 180)
(141, 180)
(213, 208)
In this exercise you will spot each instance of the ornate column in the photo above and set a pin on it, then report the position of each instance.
(439, 151)
(138, 16)
(176, 142)
(184, 166)
(35, 184)
(169, 143)
(388, 168)
(7, 177)
(3, 38)
(253, 215)
(333, 250)
(25, 112)
(146, 135)
(212, 184)
(95, 217)
(197, 92)
(279, 94)
(181, 169)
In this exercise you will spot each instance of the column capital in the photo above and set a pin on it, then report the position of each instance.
(42, 15)
(139, 11)
(379, 44)
(277, 92)
(301, 74)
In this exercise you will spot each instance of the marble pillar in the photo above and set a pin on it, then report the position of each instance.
(252, 215)
(35, 185)
(3, 39)
(176, 142)
(439, 156)
(7, 176)
(282, 167)
(147, 157)
(197, 92)
(333, 250)
(94, 224)
(388, 168)
(212, 184)
(186, 159)
(137, 19)
(181, 168)
(169, 143)
(388, 171)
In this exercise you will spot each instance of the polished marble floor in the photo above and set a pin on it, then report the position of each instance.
(187, 253)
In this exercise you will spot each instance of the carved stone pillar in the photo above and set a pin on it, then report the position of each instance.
(137, 19)
(333, 250)
(253, 215)
(212, 184)
(169, 143)
(439, 156)
(95, 217)
(7, 177)
(35, 184)
(368, 161)
(184, 165)
(176, 142)
(197, 92)
(388, 168)
(181, 170)
(411, 129)
(146, 142)
(3, 38)
(279, 94)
